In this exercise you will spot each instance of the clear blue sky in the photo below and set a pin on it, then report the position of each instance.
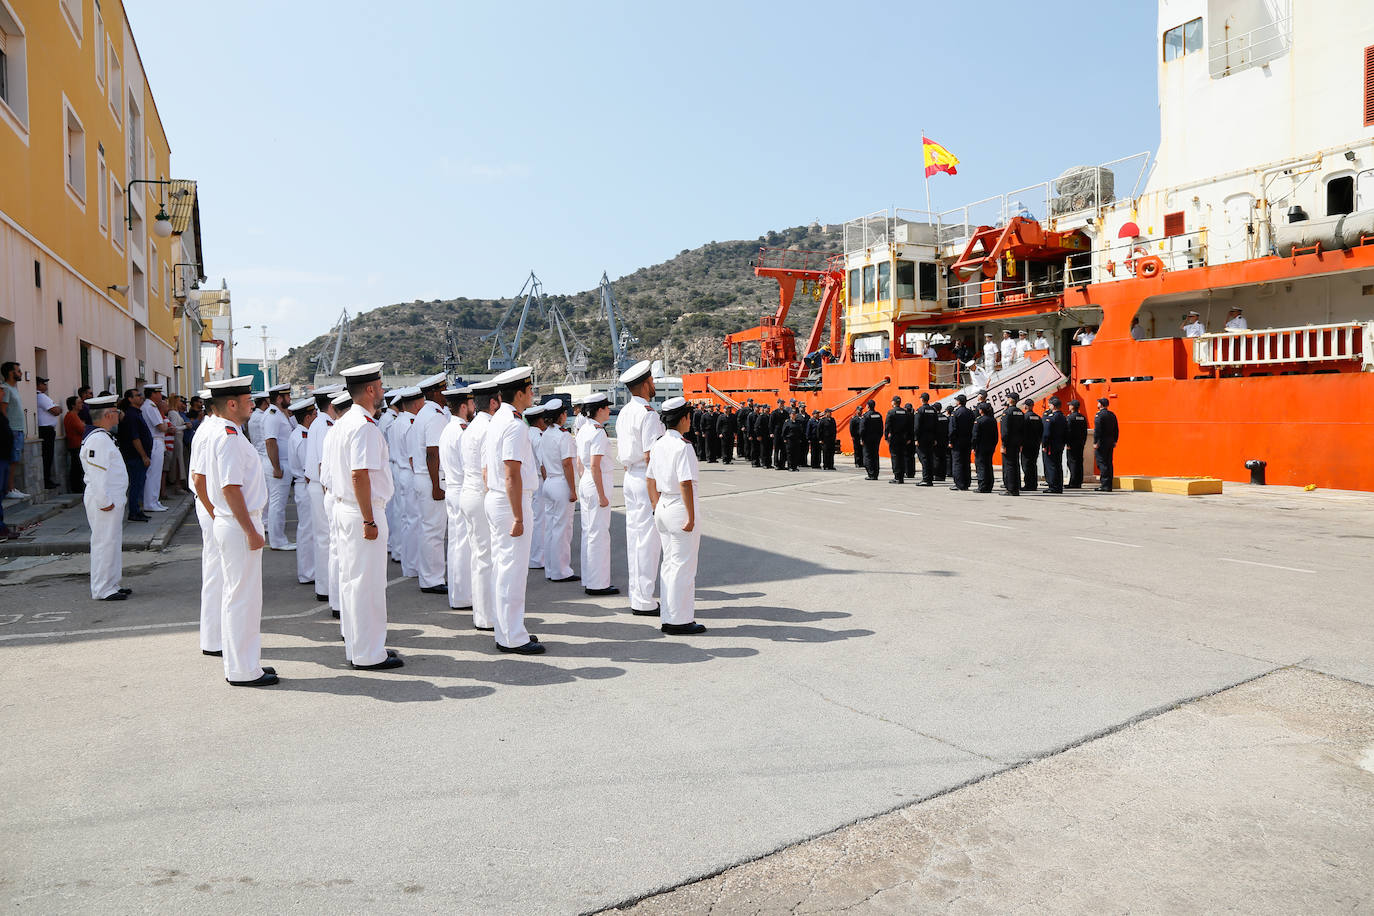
(357, 154)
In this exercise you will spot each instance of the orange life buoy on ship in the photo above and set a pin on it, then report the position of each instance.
(1149, 267)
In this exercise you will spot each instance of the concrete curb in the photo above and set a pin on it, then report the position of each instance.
(167, 529)
(171, 526)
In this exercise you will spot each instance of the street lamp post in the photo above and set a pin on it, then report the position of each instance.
(267, 382)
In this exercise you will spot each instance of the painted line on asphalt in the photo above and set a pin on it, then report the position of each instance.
(988, 524)
(1101, 541)
(822, 499)
(898, 511)
(1269, 565)
(137, 628)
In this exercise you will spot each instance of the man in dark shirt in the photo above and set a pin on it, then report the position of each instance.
(984, 446)
(1013, 427)
(135, 446)
(872, 434)
(1052, 447)
(779, 443)
(924, 433)
(895, 433)
(1074, 440)
(826, 430)
(1033, 430)
(856, 424)
(1106, 434)
(960, 441)
(726, 427)
(813, 439)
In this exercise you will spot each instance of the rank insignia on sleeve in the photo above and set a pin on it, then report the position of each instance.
(305, 434)
(91, 453)
(231, 431)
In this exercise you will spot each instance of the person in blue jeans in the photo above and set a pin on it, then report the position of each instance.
(6, 445)
(135, 445)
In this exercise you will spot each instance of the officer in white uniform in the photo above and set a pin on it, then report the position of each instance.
(672, 478)
(276, 470)
(1193, 326)
(211, 573)
(238, 494)
(534, 417)
(430, 522)
(636, 430)
(362, 472)
(107, 489)
(1041, 342)
(310, 469)
(303, 412)
(594, 495)
(1023, 345)
(459, 557)
(409, 400)
(254, 425)
(989, 355)
(512, 480)
(1008, 350)
(472, 452)
(329, 460)
(384, 423)
(559, 491)
(1235, 321)
(157, 425)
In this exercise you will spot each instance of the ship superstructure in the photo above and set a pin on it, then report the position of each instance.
(1260, 197)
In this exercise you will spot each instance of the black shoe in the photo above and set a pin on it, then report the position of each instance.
(466, 607)
(529, 648)
(334, 614)
(954, 488)
(125, 591)
(139, 517)
(683, 629)
(434, 589)
(267, 680)
(218, 653)
(653, 613)
(386, 664)
(896, 481)
(117, 596)
(267, 670)
(485, 629)
(925, 484)
(1049, 492)
(608, 590)
(568, 579)
(321, 597)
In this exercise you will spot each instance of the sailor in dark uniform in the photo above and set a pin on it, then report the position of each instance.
(984, 446)
(927, 419)
(762, 437)
(798, 441)
(813, 439)
(960, 441)
(1074, 440)
(871, 432)
(1106, 433)
(909, 449)
(1033, 431)
(826, 432)
(727, 426)
(1013, 427)
(944, 455)
(699, 432)
(894, 432)
(1052, 447)
(856, 425)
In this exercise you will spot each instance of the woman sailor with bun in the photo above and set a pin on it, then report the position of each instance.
(594, 491)
(559, 492)
(672, 482)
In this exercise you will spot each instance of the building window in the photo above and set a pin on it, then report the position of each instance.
(74, 145)
(98, 42)
(930, 281)
(870, 284)
(906, 280)
(117, 211)
(1340, 195)
(14, 79)
(885, 281)
(102, 188)
(151, 161)
(116, 75)
(71, 11)
(135, 135)
(152, 274)
(1369, 86)
(1183, 39)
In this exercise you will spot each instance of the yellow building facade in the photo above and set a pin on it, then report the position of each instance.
(89, 293)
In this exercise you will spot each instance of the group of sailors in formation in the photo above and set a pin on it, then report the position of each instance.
(467, 489)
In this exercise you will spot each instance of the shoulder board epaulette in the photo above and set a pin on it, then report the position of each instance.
(372, 421)
(305, 434)
(231, 430)
(328, 422)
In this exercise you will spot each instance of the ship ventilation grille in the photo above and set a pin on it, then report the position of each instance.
(1369, 86)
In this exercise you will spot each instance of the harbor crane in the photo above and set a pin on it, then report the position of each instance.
(576, 358)
(504, 353)
(327, 360)
(621, 338)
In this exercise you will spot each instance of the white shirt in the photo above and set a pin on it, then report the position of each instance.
(396, 440)
(107, 479)
(578, 422)
(536, 436)
(473, 453)
(200, 444)
(1085, 337)
(508, 440)
(451, 455)
(592, 441)
(1194, 329)
(1022, 348)
(45, 418)
(1237, 323)
(671, 461)
(636, 431)
(1008, 351)
(360, 447)
(424, 434)
(931, 354)
(989, 353)
(300, 441)
(1041, 343)
(276, 426)
(231, 461)
(555, 446)
(256, 433)
(153, 417)
(314, 446)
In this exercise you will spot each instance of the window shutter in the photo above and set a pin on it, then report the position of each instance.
(1369, 86)
(1173, 224)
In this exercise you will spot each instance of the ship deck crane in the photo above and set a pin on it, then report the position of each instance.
(818, 270)
(504, 353)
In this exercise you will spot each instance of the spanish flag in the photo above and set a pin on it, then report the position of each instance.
(938, 159)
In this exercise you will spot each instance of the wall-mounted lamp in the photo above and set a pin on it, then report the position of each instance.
(162, 223)
(1350, 155)
(120, 288)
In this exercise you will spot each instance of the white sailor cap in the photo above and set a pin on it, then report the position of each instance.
(1006, 331)
(636, 373)
(148, 388)
(513, 376)
(278, 389)
(408, 394)
(552, 405)
(482, 386)
(108, 400)
(434, 381)
(673, 404)
(228, 387)
(202, 393)
(674, 409)
(361, 374)
(302, 404)
(1024, 332)
(260, 395)
(1193, 315)
(342, 399)
(329, 389)
(596, 399)
(534, 410)
(457, 393)
(988, 334)
(1039, 330)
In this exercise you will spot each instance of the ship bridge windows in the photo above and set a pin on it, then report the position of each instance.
(884, 281)
(1183, 39)
(918, 280)
(1340, 195)
(870, 284)
(906, 280)
(930, 281)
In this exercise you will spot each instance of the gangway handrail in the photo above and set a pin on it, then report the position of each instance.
(1342, 341)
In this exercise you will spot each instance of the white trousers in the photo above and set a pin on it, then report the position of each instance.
(535, 523)
(335, 604)
(278, 491)
(393, 526)
(641, 541)
(459, 552)
(305, 532)
(319, 524)
(362, 583)
(558, 525)
(107, 545)
(596, 535)
(241, 611)
(510, 564)
(211, 584)
(479, 546)
(152, 484)
(431, 521)
(404, 498)
(679, 569)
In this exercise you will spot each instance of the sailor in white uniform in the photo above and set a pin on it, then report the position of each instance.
(1023, 345)
(158, 426)
(534, 418)
(1008, 350)
(211, 572)
(339, 405)
(635, 431)
(459, 556)
(672, 479)
(384, 423)
(409, 400)
(1041, 342)
(107, 488)
(1235, 321)
(276, 435)
(594, 496)
(989, 355)
(472, 453)
(430, 520)
(310, 469)
(559, 492)
(238, 495)
(1193, 326)
(512, 480)
(303, 413)
(361, 469)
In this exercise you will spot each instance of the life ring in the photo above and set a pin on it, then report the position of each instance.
(1137, 255)
(1149, 267)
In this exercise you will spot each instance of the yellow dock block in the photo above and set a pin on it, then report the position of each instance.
(1177, 486)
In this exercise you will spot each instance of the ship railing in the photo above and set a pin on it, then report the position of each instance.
(1255, 48)
(1343, 342)
(794, 259)
(980, 292)
(1124, 259)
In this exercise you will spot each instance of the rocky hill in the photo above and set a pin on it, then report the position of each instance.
(679, 309)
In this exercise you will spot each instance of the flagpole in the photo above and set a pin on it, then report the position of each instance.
(925, 171)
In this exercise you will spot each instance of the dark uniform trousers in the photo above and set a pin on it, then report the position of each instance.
(816, 453)
(960, 469)
(780, 451)
(926, 452)
(1054, 470)
(1102, 454)
(828, 453)
(898, 450)
(982, 460)
(871, 459)
(1011, 470)
(1075, 453)
(1029, 451)
(909, 450)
